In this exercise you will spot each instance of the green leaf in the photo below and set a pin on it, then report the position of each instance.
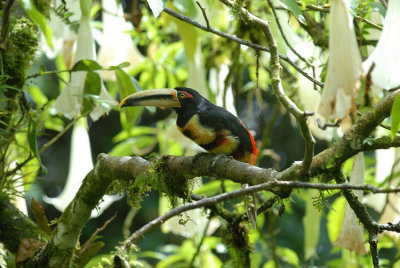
(294, 8)
(32, 138)
(40, 216)
(288, 256)
(335, 218)
(91, 91)
(156, 6)
(395, 116)
(130, 145)
(127, 84)
(90, 252)
(92, 84)
(38, 19)
(123, 65)
(86, 65)
(189, 38)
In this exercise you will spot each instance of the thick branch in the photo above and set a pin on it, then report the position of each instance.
(355, 140)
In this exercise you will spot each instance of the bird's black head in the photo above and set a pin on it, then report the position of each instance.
(188, 98)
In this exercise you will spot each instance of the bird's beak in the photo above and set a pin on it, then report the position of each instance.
(164, 97)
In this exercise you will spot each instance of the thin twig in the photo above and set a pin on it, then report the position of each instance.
(286, 40)
(200, 243)
(240, 41)
(95, 233)
(203, 10)
(327, 10)
(47, 73)
(326, 125)
(58, 136)
(373, 245)
(280, 93)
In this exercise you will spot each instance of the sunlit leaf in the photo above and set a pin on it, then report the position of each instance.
(90, 251)
(127, 84)
(86, 65)
(91, 90)
(311, 224)
(129, 146)
(335, 218)
(32, 138)
(37, 95)
(288, 255)
(395, 116)
(294, 8)
(123, 64)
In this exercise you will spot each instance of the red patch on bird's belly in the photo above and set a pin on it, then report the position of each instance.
(226, 143)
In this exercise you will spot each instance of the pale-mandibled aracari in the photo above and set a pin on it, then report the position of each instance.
(210, 126)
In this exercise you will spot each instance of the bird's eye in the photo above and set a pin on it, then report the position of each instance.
(182, 95)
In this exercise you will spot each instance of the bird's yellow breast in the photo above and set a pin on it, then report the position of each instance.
(198, 133)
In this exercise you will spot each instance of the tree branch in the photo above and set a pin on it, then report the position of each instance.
(238, 40)
(278, 89)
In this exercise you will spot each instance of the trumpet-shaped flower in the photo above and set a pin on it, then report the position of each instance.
(386, 55)
(80, 165)
(116, 44)
(351, 235)
(69, 103)
(344, 66)
(63, 37)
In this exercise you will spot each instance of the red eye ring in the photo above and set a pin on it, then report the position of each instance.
(185, 95)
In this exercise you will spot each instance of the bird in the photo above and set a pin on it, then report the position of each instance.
(210, 126)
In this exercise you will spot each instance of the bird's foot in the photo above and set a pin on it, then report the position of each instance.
(196, 157)
(215, 160)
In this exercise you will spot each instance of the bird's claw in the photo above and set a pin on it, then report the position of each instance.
(215, 160)
(196, 157)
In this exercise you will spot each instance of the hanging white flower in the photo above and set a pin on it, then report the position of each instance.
(116, 43)
(344, 66)
(63, 36)
(351, 235)
(386, 55)
(69, 103)
(80, 165)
